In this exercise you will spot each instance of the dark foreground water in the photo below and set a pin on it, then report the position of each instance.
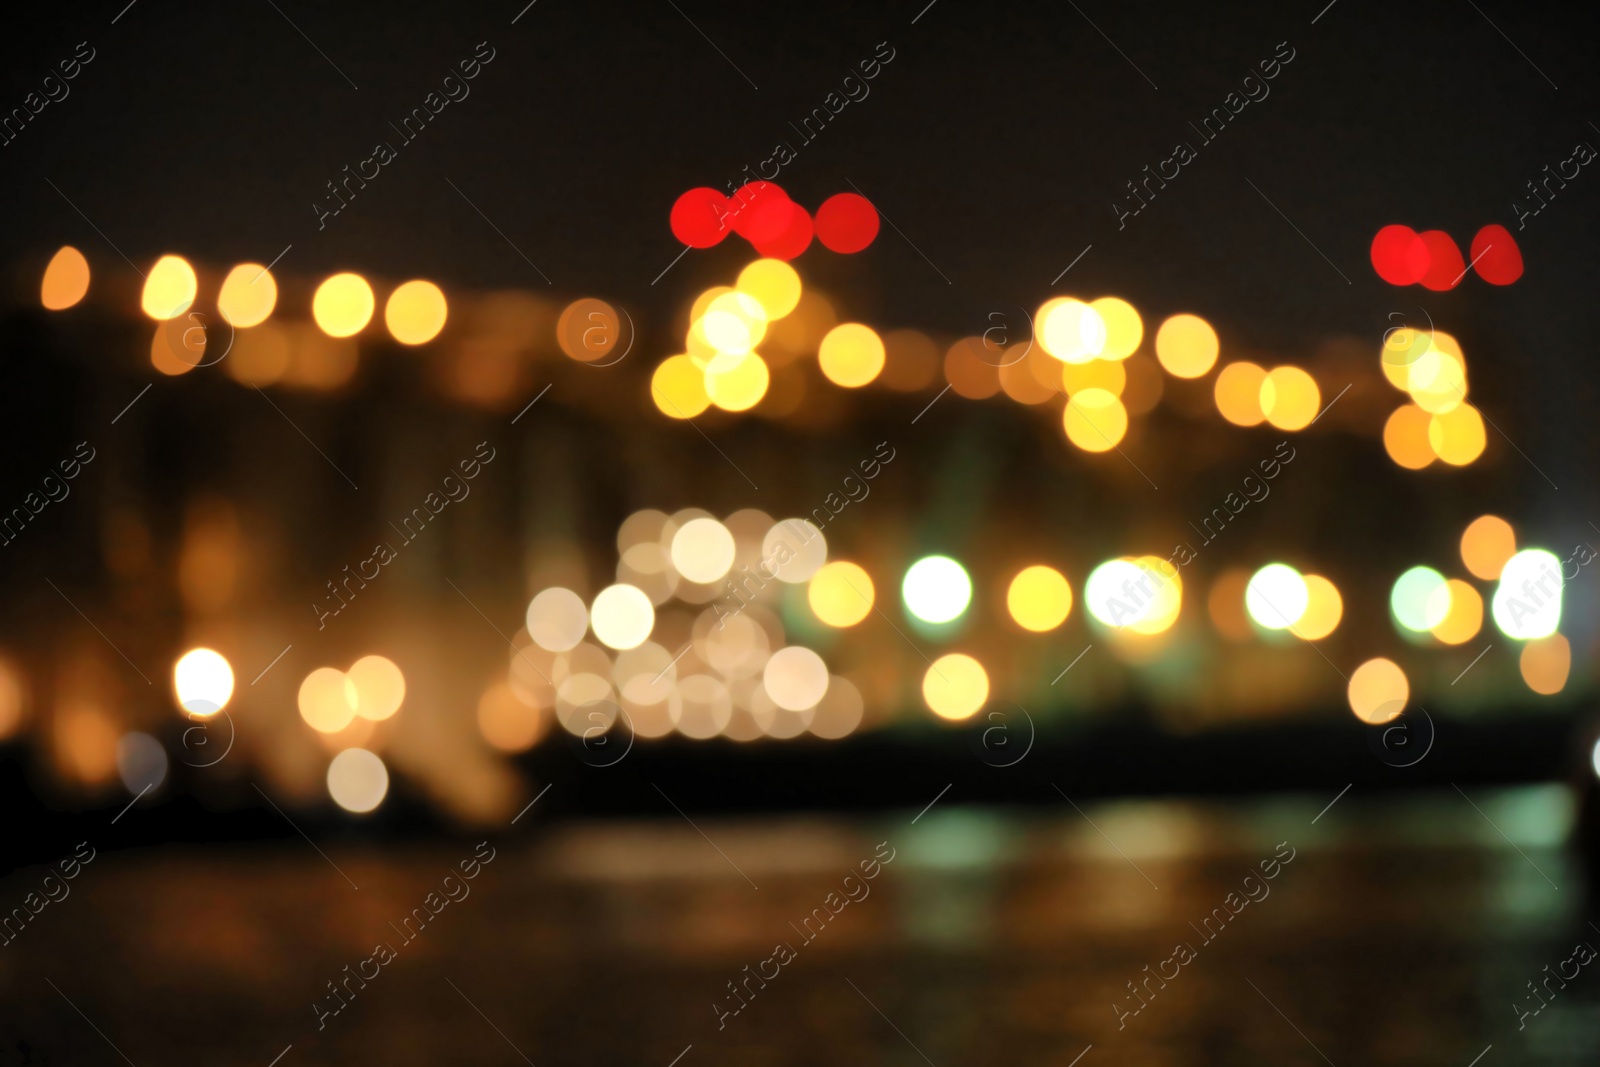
(1394, 930)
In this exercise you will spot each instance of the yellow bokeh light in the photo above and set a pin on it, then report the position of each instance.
(1124, 328)
(1405, 437)
(1039, 598)
(851, 355)
(1096, 374)
(774, 284)
(702, 550)
(1324, 609)
(622, 616)
(327, 700)
(1545, 664)
(1289, 398)
(1457, 436)
(66, 279)
(840, 594)
(678, 388)
(1486, 544)
(1162, 611)
(1095, 420)
(169, 288)
(380, 687)
(357, 780)
(1187, 346)
(1378, 691)
(343, 305)
(1437, 381)
(1402, 347)
(1070, 330)
(734, 323)
(795, 678)
(248, 295)
(703, 301)
(203, 681)
(740, 387)
(178, 348)
(415, 312)
(1238, 393)
(955, 686)
(1463, 617)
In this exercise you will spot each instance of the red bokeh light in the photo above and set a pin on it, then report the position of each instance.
(1445, 265)
(1495, 255)
(1399, 255)
(761, 212)
(697, 217)
(795, 238)
(846, 222)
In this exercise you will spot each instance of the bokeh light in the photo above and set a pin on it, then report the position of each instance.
(203, 681)
(1463, 615)
(1527, 602)
(1495, 255)
(1070, 330)
(795, 678)
(1457, 436)
(1289, 398)
(415, 312)
(773, 284)
(1545, 664)
(506, 722)
(1096, 374)
(1324, 609)
(141, 762)
(851, 355)
(841, 594)
(955, 686)
(169, 288)
(1378, 691)
(248, 295)
(380, 687)
(1238, 393)
(1124, 328)
(622, 616)
(557, 619)
(1420, 599)
(698, 217)
(1399, 255)
(66, 279)
(1277, 596)
(327, 700)
(1486, 544)
(357, 780)
(1094, 420)
(936, 589)
(741, 386)
(1405, 437)
(1187, 346)
(702, 550)
(342, 305)
(794, 550)
(1039, 598)
(846, 222)
(678, 388)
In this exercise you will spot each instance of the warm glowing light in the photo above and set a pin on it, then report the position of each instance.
(840, 594)
(741, 386)
(1070, 330)
(1289, 398)
(1378, 691)
(1142, 594)
(734, 323)
(1238, 393)
(357, 780)
(506, 722)
(955, 686)
(851, 355)
(415, 312)
(969, 372)
(773, 283)
(13, 699)
(248, 295)
(678, 388)
(795, 678)
(622, 616)
(1457, 436)
(66, 279)
(699, 217)
(1039, 598)
(1187, 346)
(1486, 544)
(327, 700)
(1464, 615)
(380, 687)
(343, 305)
(1405, 437)
(846, 222)
(1324, 608)
(1277, 596)
(588, 329)
(936, 589)
(1420, 599)
(702, 550)
(1096, 374)
(1094, 420)
(1527, 602)
(1403, 346)
(1546, 663)
(169, 288)
(794, 549)
(1124, 328)
(557, 619)
(1399, 255)
(1225, 602)
(203, 681)
(1445, 265)
(1495, 255)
